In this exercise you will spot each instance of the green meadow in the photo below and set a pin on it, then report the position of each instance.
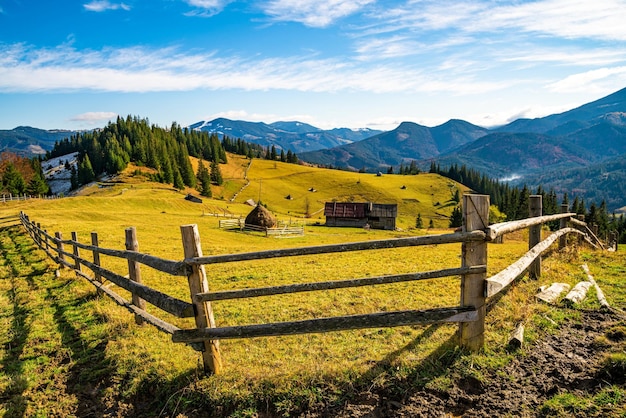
(67, 351)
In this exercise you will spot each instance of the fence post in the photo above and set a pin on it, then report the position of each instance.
(96, 258)
(535, 208)
(134, 270)
(475, 217)
(60, 249)
(38, 235)
(563, 224)
(46, 241)
(211, 358)
(76, 252)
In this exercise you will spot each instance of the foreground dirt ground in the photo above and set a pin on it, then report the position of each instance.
(568, 362)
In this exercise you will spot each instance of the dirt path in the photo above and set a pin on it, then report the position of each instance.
(568, 362)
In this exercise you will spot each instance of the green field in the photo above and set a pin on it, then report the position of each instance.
(67, 351)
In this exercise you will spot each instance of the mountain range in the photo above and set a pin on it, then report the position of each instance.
(295, 136)
(581, 151)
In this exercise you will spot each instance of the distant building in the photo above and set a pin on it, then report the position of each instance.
(360, 214)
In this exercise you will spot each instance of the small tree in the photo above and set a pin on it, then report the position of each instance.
(216, 174)
(418, 222)
(431, 225)
(456, 218)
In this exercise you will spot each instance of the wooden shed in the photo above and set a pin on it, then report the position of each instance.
(360, 214)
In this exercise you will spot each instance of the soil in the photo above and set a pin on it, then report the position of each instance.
(566, 362)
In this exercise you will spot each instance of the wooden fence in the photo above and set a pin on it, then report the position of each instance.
(287, 229)
(16, 197)
(476, 288)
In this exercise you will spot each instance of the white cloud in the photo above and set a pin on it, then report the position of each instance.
(103, 5)
(569, 19)
(599, 19)
(92, 117)
(207, 8)
(313, 13)
(141, 70)
(564, 55)
(602, 80)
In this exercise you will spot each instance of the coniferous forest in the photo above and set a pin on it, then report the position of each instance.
(513, 201)
(109, 150)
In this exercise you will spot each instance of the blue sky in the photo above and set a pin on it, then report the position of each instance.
(331, 63)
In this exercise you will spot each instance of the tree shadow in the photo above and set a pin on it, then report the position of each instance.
(91, 369)
(12, 365)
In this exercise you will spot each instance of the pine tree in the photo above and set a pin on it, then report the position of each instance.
(456, 218)
(85, 171)
(418, 222)
(216, 174)
(178, 179)
(13, 181)
(37, 186)
(204, 180)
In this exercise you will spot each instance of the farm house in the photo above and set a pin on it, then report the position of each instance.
(360, 214)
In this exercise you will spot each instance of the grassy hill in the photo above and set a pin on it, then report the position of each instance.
(68, 352)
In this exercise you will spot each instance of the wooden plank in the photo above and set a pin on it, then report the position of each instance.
(497, 282)
(603, 303)
(175, 268)
(495, 230)
(551, 294)
(578, 293)
(167, 303)
(341, 323)
(335, 248)
(150, 319)
(474, 253)
(337, 284)
(198, 283)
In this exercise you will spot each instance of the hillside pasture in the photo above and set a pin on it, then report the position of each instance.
(68, 351)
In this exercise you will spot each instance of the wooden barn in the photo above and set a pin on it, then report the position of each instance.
(360, 214)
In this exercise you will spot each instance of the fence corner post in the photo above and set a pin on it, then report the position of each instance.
(535, 208)
(475, 217)
(198, 283)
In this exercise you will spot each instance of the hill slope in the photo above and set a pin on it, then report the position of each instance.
(29, 141)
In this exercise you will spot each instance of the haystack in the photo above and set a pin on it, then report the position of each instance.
(260, 216)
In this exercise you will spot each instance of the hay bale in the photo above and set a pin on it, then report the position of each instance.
(260, 216)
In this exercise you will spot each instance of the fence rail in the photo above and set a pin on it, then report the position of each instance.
(205, 336)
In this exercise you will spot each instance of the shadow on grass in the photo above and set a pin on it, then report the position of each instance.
(13, 396)
(433, 366)
(91, 369)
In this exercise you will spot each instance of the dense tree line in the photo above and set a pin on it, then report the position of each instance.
(20, 175)
(513, 201)
(132, 139)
